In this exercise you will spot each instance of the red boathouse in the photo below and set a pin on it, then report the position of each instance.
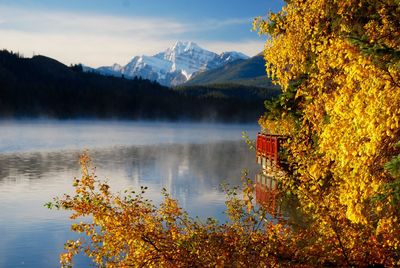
(267, 154)
(267, 149)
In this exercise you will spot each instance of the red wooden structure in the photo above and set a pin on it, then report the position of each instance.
(267, 148)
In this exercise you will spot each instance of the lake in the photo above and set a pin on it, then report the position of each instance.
(39, 159)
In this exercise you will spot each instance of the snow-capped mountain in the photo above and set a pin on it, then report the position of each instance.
(114, 70)
(174, 66)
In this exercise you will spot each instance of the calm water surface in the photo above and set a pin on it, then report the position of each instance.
(39, 159)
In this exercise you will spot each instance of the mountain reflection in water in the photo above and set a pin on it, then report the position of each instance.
(192, 173)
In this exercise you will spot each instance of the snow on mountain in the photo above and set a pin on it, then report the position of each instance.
(114, 70)
(147, 67)
(187, 57)
(175, 65)
(116, 67)
(232, 56)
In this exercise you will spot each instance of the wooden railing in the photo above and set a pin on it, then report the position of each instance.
(267, 149)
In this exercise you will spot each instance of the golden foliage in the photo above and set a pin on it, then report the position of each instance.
(126, 230)
(338, 65)
(342, 58)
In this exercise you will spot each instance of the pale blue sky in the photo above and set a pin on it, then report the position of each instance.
(102, 32)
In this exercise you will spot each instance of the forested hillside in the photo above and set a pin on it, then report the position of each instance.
(41, 86)
(247, 72)
(229, 91)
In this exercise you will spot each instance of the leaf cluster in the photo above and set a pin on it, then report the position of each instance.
(342, 120)
(126, 229)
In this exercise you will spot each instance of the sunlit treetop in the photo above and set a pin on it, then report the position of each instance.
(337, 62)
(338, 65)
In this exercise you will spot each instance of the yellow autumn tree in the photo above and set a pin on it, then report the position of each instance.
(127, 230)
(338, 63)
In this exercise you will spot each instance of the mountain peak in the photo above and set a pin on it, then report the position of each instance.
(184, 46)
(175, 65)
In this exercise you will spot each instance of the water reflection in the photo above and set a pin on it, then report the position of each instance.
(268, 195)
(50, 135)
(178, 167)
(32, 236)
(280, 206)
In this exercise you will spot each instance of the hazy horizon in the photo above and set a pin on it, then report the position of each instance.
(104, 32)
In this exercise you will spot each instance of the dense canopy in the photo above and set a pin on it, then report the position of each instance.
(338, 65)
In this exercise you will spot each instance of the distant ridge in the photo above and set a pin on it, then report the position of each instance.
(248, 72)
(45, 88)
(174, 66)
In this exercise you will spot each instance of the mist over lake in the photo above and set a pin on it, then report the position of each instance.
(39, 159)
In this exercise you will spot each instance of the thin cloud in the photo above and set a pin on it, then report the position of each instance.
(248, 47)
(216, 24)
(98, 39)
(93, 50)
(67, 22)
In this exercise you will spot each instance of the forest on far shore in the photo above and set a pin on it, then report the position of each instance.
(43, 87)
